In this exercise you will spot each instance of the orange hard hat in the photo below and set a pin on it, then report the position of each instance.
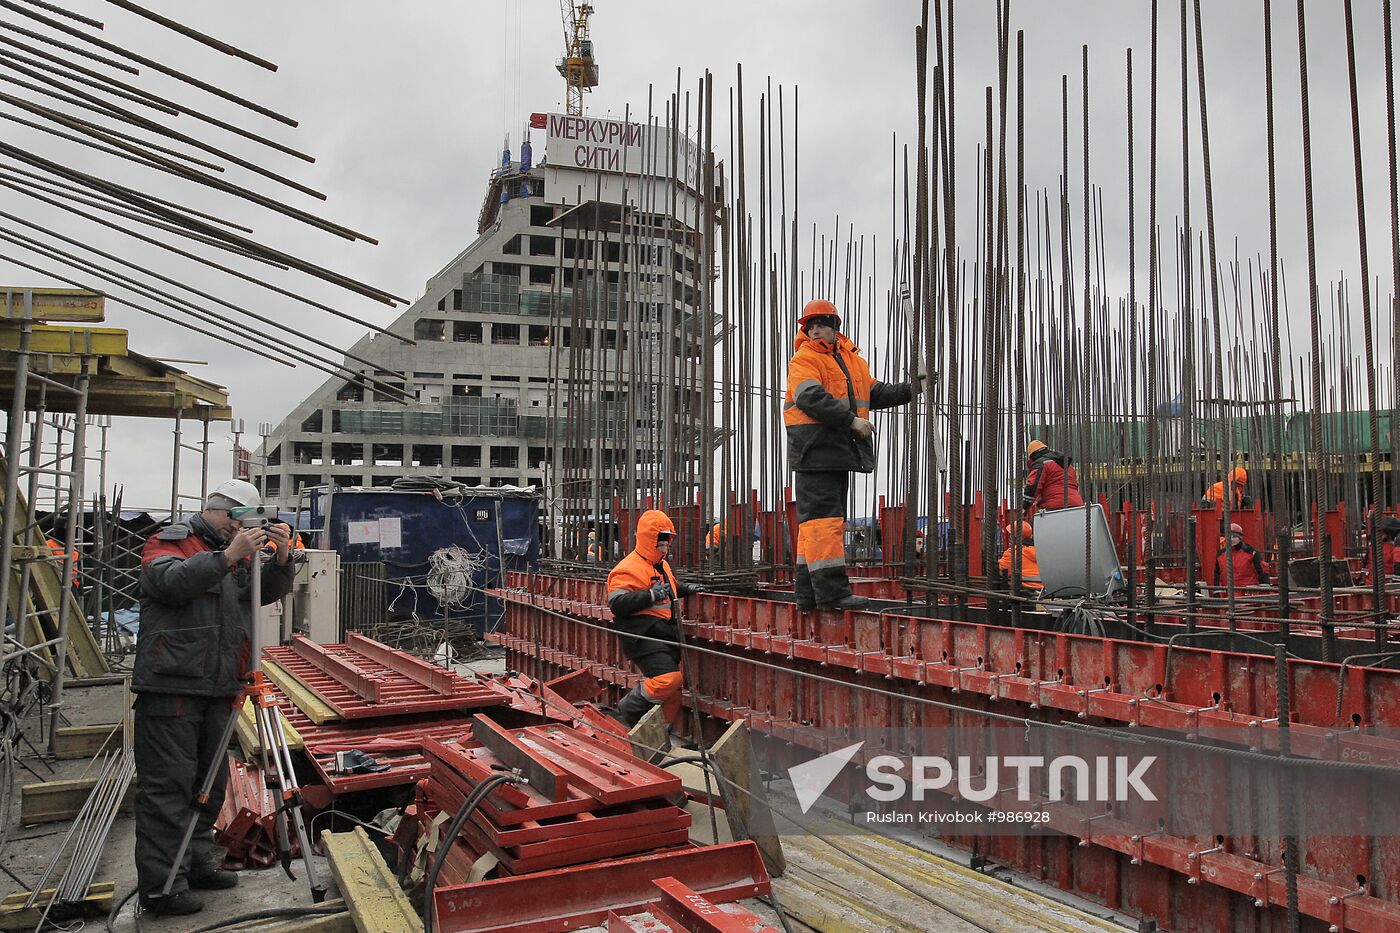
(1034, 447)
(1026, 531)
(817, 307)
(1239, 475)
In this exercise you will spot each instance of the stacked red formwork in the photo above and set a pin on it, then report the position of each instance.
(594, 835)
(585, 800)
(247, 823)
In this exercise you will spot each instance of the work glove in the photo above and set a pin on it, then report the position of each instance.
(660, 592)
(862, 427)
(695, 589)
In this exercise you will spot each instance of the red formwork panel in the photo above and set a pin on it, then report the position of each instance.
(399, 683)
(1199, 693)
(582, 896)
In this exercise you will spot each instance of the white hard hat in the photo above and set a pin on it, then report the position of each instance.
(235, 491)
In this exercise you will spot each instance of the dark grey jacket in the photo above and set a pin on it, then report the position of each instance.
(195, 613)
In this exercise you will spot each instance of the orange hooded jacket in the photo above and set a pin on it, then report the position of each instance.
(644, 565)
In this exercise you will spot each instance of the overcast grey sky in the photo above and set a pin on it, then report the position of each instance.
(406, 105)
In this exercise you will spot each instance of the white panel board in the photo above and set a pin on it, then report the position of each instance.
(1062, 538)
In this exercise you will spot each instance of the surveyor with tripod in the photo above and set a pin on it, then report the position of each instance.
(192, 663)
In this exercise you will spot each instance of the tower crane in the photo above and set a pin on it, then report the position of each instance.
(579, 70)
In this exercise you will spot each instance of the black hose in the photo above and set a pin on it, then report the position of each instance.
(473, 800)
(117, 909)
(272, 913)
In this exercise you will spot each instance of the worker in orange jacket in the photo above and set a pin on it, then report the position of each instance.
(830, 394)
(60, 553)
(1030, 567)
(1215, 495)
(641, 593)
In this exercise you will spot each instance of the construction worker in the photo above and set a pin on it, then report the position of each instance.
(1050, 481)
(830, 395)
(1215, 495)
(1030, 568)
(714, 541)
(641, 590)
(297, 544)
(593, 551)
(191, 666)
(1249, 566)
(1389, 530)
(60, 552)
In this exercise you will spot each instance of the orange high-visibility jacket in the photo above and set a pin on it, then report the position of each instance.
(827, 389)
(1030, 568)
(644, 566)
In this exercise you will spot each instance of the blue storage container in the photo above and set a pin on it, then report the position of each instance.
(498, 529)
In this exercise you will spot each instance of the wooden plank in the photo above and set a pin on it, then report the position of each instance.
(72, 341)
(733, 756)
(51, 801)
(246, 729)
(105, 680)
(376, 902)
(14, 916)
(53, 304)
(651, 736)
(87, 741)
(306, 699)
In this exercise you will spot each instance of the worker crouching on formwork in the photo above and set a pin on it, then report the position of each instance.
(1024, 556)
(641, 592)
(830, 395)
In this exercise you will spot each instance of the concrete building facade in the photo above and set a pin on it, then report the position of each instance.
(493, 392)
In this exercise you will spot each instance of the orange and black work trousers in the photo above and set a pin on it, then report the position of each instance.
(821, 536)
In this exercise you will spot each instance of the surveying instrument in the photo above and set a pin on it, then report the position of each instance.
(279, 774)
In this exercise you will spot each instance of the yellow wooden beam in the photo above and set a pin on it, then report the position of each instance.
(306, 699)
(53, 304)
(246, 728)
(51, 801)
(87, 741)
(69, 341)
(377, 904)
(15, 916)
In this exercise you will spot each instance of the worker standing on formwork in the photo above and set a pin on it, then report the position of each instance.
(1050, 481)
(830, 395)
(191, 666)
(1249, 566)
(641, 591)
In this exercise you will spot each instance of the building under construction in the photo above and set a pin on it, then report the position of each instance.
(511, 338)
(1154, 727)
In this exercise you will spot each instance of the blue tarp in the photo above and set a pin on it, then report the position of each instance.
(501, 526)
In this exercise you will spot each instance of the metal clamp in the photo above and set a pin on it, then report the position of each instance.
(1340, 904)
(1085, 694)
(1137, 840)
(1088, 837)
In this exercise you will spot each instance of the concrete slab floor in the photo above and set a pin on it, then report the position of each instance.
(30, 848)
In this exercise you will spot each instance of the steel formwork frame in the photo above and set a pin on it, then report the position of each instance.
(790, 674)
